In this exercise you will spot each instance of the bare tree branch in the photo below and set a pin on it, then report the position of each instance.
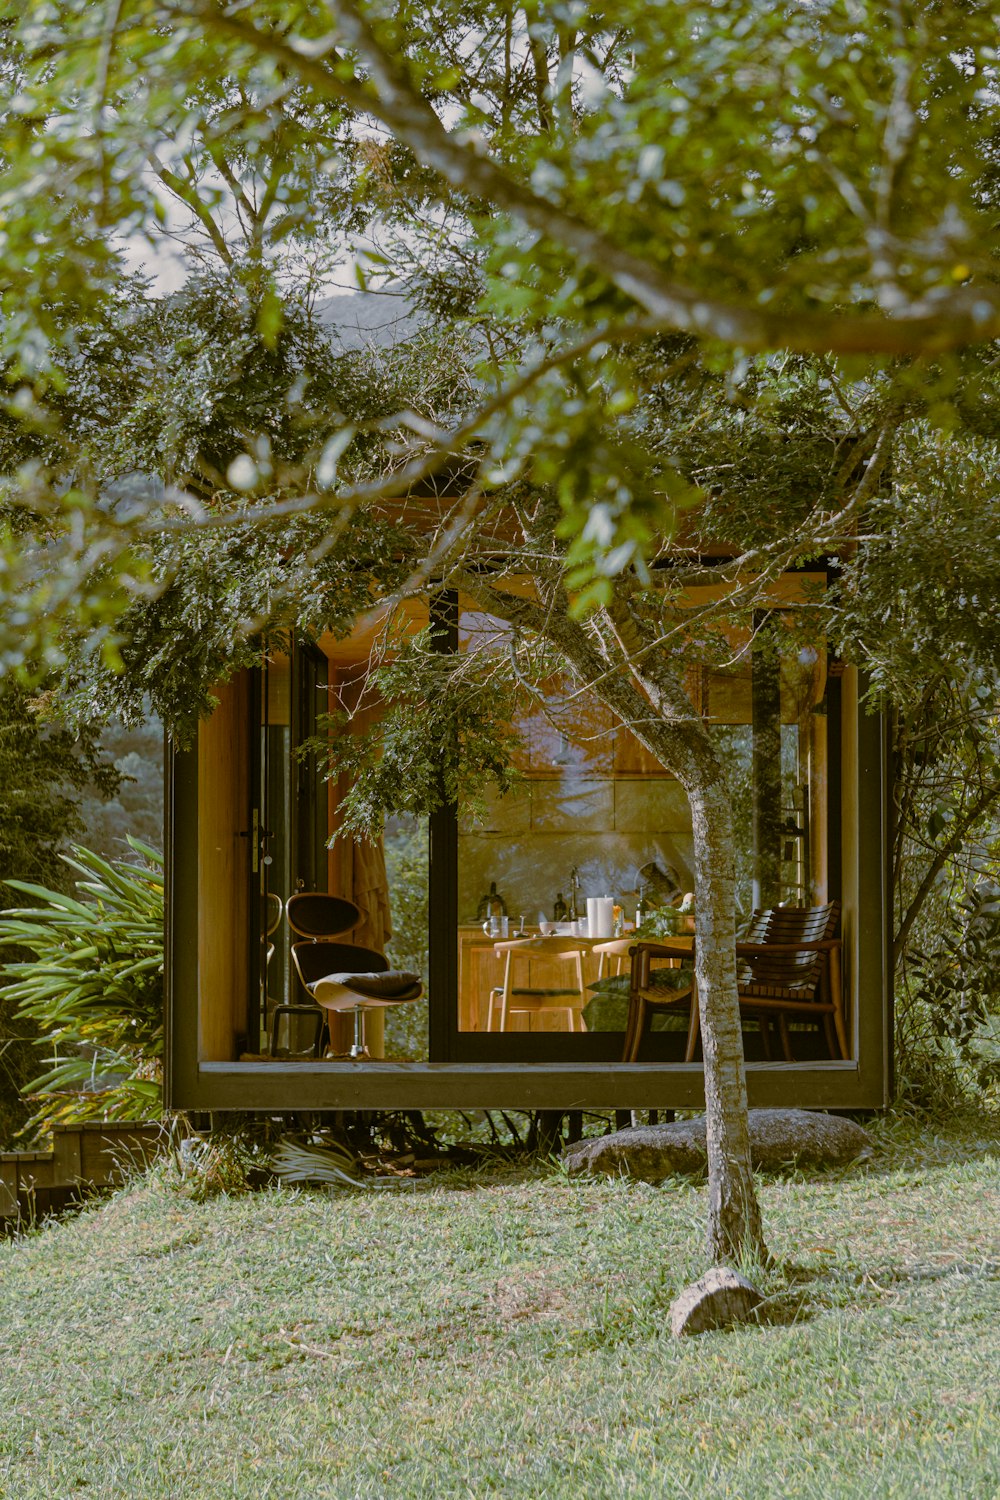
(188, 194)
(987, 800)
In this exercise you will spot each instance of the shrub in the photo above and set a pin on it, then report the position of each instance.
(93, 987)
(949, 1022)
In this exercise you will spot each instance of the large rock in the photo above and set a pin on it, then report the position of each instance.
(719, 1299)
(778, 1138)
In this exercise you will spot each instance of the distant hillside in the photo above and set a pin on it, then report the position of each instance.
(138, 808)
(360, 318)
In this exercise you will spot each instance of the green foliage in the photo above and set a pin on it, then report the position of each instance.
(918, 601)
(231, 1159)
(93, 987)
(951, 1007)
(786, 163)
(44, 771)
(445, 734)
(407, 851)
(783, 163)
(45, 774)
(137, 807)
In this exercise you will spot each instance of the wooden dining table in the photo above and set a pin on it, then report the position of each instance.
(480, 968)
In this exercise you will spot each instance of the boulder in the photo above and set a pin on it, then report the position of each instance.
(778, 1138)
(717, 1300)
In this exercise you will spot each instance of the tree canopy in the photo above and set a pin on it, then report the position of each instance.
(565, 185)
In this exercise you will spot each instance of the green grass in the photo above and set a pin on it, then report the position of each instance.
(506, 1335)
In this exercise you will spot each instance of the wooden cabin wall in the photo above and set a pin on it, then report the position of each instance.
(850, 845)
(223, 880)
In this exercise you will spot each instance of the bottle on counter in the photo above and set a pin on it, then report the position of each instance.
(640, 910)
(559, 908)
(491, 905)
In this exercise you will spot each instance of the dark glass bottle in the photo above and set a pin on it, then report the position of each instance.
(491, 905)
(559, 908)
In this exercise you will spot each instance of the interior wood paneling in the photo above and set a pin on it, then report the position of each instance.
(223, 883)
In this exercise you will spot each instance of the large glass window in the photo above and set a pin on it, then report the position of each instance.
(592, 818)
(596, 817)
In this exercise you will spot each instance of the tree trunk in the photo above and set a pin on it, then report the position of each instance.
(734, 1230)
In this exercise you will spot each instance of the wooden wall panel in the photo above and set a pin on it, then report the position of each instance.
(850, 843)
(223, 873)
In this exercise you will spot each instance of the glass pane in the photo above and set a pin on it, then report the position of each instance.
(275, 842)
(386, 878)
(594, 818)
(774, 746)
(406, 861)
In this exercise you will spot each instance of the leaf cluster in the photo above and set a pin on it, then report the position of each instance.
(955, 985)
(443, 731)
(918, 599)
(93, 985)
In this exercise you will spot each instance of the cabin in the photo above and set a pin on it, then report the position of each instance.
(251, 821)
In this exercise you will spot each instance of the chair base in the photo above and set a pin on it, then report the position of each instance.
(309, 1012)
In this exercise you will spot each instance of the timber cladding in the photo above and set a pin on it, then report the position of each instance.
(223, 893)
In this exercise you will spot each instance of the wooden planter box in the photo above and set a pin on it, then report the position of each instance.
(93, 1155)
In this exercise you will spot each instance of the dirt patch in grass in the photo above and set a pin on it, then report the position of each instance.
(529, 1295)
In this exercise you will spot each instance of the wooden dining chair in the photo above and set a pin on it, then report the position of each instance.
(789, 968)
(612, 955)
(515, 997)
(662, 982)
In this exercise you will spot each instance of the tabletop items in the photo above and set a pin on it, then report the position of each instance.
(593, 917)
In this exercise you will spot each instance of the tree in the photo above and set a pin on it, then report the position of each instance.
(608, 200)
(919, 608)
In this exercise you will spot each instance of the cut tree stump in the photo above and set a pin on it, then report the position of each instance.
(718, 1299)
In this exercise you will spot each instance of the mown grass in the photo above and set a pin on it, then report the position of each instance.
(505, 1334)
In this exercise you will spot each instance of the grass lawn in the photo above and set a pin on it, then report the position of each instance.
(505, 1334)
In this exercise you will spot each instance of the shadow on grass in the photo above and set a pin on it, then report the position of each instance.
(814, 1290)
